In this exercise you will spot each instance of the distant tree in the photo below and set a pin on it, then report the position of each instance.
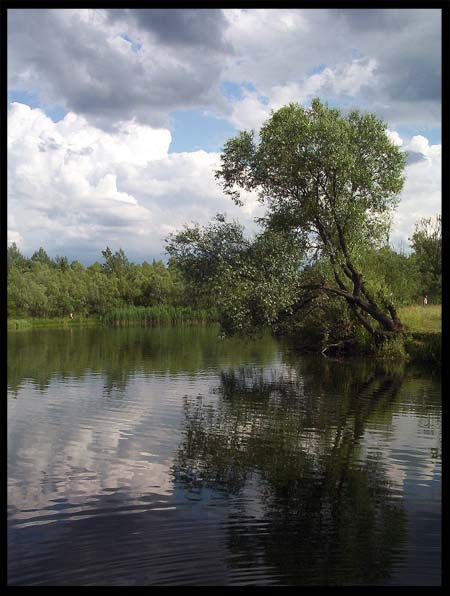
(116, 263)
(62, 263)
(77, 266)
(427, 245)
(395, 273)
(15, 258)
(95, 267)
(40, 256)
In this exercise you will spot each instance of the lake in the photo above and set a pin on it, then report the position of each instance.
(167, 455)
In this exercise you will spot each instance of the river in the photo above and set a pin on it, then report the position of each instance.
(170, 456)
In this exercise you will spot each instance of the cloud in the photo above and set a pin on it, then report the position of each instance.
(103, 175)
(343, 82)
(388, 60)
(74, 188)
(14, 236)
(394, 137)
(120, 64)
(203, 28)
(81, 60)
(421, 196)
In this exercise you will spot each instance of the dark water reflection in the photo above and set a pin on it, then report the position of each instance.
(170, 456)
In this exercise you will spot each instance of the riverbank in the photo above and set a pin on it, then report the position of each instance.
(420, 343)
(423, 341)
(53, 322)
(121, 317)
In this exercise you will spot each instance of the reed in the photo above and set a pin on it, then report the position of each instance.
(158, 315)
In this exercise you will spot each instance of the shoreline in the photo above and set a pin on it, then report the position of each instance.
(419, 346)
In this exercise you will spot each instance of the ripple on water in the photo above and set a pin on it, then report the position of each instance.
(200, 464)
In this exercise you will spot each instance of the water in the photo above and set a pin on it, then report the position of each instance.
(165, 456)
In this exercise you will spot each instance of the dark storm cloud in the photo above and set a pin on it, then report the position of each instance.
(180, 27)
(76, 62)
(374, 19)
(174, 59)
(407, 46)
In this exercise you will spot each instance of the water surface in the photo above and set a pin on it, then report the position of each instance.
(166, 455)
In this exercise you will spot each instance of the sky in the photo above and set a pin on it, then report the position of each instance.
(117, 117)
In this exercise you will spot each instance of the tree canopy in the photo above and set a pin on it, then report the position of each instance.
(329, 183)
(427, 244)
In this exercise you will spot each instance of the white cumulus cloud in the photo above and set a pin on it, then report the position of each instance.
(75, 189)
(421, 196)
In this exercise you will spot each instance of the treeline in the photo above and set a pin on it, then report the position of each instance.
(119, 290)
(115, 288)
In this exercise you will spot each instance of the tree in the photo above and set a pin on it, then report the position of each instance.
(62, 263)
(250, 281)
(77, 266)
(40, 256)
(427, 245)
(15, 258)
(117, 263)
(332, 181)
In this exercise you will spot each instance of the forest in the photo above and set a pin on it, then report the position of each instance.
(44, 287)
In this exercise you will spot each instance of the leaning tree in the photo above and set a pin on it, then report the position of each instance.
(332, 181)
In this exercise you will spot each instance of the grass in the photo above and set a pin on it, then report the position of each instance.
(49, 322)
(421, 319)
(424, 328)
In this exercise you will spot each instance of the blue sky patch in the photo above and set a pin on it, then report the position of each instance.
(193, 130)
(135, 45)
(235, 91)
(316, 70)
(30, 98)
(434, 135)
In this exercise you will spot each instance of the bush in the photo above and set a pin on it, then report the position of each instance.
(392, 349)
(424, 348)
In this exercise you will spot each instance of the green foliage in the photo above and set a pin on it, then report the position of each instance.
(392, 350)
(392, 275)
(251, 280)
(425, 349)
(18, 324)
(52, 322)
(427, 245)
(330, 182)
(324, 323)
(15, 258)
(40, 256)
(40, 287)
(317, 170)
(62, 263)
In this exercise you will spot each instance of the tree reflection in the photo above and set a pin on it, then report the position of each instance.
(43, 354)
(327, 515)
